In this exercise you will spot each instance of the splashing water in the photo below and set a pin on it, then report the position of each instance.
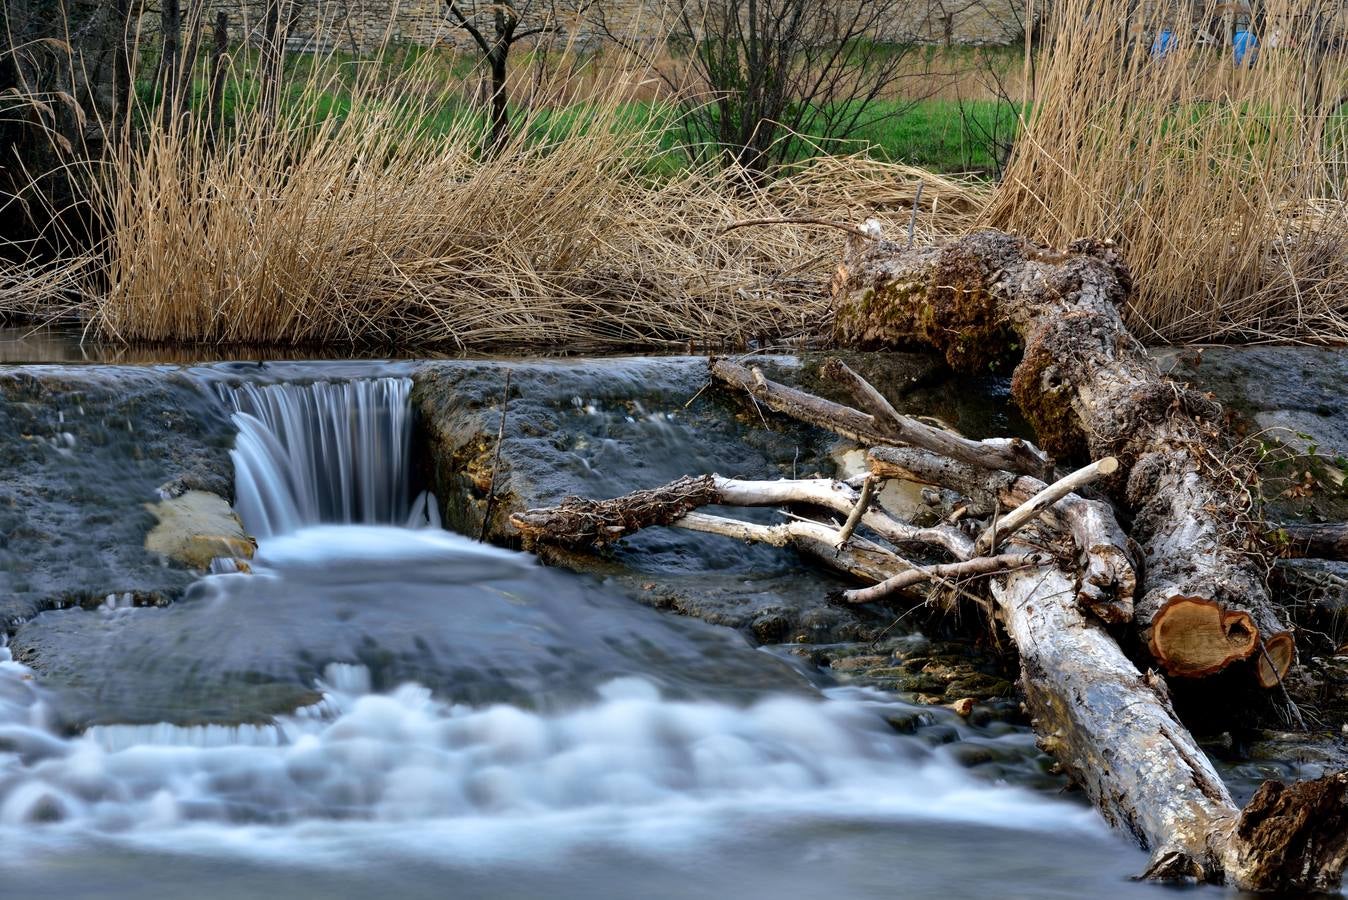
(321, 452)
(404, 756)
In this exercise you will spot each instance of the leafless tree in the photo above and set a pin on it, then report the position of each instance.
(944, 13)
(772, 80)
(995, 132)
(495, 27)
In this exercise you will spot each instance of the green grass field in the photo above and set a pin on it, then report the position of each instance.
(948, 136)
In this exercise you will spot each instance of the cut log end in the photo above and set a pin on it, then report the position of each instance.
(1276, 658)
(1194, 636)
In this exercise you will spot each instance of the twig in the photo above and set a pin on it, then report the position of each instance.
(982, 565)
(854, 517)
(1033, 508)
(912, 222)
(496, 461)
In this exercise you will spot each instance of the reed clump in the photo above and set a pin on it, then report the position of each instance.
(389, 224)
(1222, 179)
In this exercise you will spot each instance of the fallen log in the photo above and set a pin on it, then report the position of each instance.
(578, 522)
(1115, 732)
(1089, 389)
(1108, 579)
(1110, 726)
(1327, 540)
(1014, 455)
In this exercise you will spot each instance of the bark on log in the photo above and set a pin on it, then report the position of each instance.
(1328, 540)
(1114, 730)
(1088, 388)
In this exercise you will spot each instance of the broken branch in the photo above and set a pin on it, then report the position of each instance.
(970, 568)
(1036, 506)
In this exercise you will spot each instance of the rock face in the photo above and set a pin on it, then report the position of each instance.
(83, 451)
(1283, 391)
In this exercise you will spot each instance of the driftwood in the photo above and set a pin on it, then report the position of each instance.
(1089, 389)
(1108, 571)
(867, 428)
(1111, 727)
(578, 523)
(1115, 731)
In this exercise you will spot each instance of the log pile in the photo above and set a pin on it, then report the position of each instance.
(1049, 555)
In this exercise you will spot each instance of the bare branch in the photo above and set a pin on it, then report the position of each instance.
(969, 568)
(1040, 503)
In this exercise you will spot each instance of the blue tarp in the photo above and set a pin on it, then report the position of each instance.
(1246, 46)
(1165, 42)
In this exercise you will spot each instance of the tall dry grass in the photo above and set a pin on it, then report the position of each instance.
(1223, 183)
(372, 228)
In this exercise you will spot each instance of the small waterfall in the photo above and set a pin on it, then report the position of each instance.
(321, 452)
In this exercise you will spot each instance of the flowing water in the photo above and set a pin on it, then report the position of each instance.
(322, 452)
(382, 708)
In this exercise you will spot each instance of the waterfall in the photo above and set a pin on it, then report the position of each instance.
(321, 452)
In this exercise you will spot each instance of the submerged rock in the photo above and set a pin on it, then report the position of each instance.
(83, 450)
(475, 624)
(195, 527)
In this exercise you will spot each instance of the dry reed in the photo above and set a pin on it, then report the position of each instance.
(369, 229)
(1222, 182)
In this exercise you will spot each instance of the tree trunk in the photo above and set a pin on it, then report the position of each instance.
(170, 58)
(186, 74)
(215, 104)
(1089, 389)
(500, 109)
(1114, 730)
(271, 58)
(1327, 540)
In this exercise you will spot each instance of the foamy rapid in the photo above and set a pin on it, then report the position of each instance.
(404, 757)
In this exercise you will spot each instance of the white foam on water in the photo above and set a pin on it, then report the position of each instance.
(360, 770)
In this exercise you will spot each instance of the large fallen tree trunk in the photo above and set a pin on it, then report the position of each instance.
(1113, 729)
(1109, 725)
(1088, 388)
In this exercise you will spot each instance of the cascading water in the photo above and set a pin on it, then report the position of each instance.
(380, 710)
(321, 452)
